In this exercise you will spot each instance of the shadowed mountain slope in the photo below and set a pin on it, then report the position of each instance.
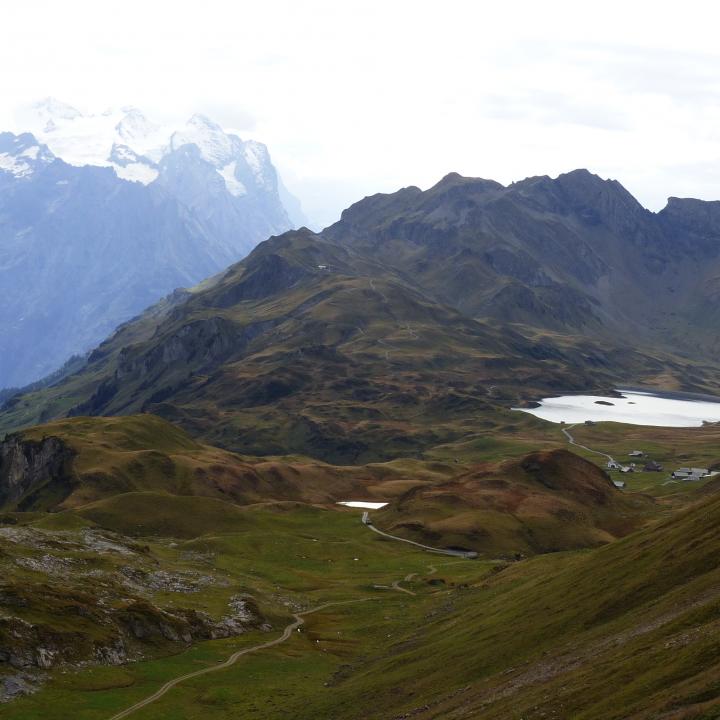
(572, 254)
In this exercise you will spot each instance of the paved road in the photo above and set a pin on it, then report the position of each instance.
(287, 632)
(571, 440)
(440, 551)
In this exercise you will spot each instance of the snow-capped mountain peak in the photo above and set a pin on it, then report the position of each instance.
(135, 127)
(215, 145)
(51, 111)
(66, 203)
(21, 155)
(134, 146)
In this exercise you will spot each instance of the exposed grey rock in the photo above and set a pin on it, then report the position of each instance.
(28, 464)
(18, 684)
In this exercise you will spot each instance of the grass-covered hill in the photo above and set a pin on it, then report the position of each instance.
(162, 555)
(73, 462)
(113, 467)
(543, 502)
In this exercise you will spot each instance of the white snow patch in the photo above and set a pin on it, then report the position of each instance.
(136, 172)
(258, 160)
(363, 504)
(31, 152)
(135, 129)
(214, 144)
(234, 186)
(14, 165)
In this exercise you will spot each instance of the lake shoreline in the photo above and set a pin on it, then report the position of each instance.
(669, 394)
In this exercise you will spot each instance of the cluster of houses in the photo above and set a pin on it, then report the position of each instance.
(649, 466)
(684, 473)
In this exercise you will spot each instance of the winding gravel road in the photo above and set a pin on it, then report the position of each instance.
(287, 632)
(571, 440)
(440, 551)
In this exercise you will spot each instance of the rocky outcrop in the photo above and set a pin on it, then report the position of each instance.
(17, 684)
(199, 343)
(265, 275)
(26, 466)
(122, 633)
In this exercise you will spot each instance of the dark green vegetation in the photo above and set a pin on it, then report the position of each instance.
(415, 319)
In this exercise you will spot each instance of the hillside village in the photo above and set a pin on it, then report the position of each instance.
(684, 474)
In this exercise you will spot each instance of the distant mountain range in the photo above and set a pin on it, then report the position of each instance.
(103, 215)
(417, 316)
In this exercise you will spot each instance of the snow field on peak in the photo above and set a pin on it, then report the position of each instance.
(132, 145)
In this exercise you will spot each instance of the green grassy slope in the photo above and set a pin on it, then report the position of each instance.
(628, 630)
(110, 456)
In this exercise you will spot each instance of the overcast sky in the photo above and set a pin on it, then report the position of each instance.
(354, 98)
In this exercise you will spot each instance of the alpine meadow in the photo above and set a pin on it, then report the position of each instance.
(370, 371)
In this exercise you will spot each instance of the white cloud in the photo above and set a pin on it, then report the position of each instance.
(359, 97)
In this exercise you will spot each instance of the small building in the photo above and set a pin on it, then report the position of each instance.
(637, 453)
(612, 465)
(590, 422)
(627, 468)
(652, 466)
(688, 473)
(619, 484)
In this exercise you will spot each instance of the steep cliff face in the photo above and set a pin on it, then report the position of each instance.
(26, 466)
